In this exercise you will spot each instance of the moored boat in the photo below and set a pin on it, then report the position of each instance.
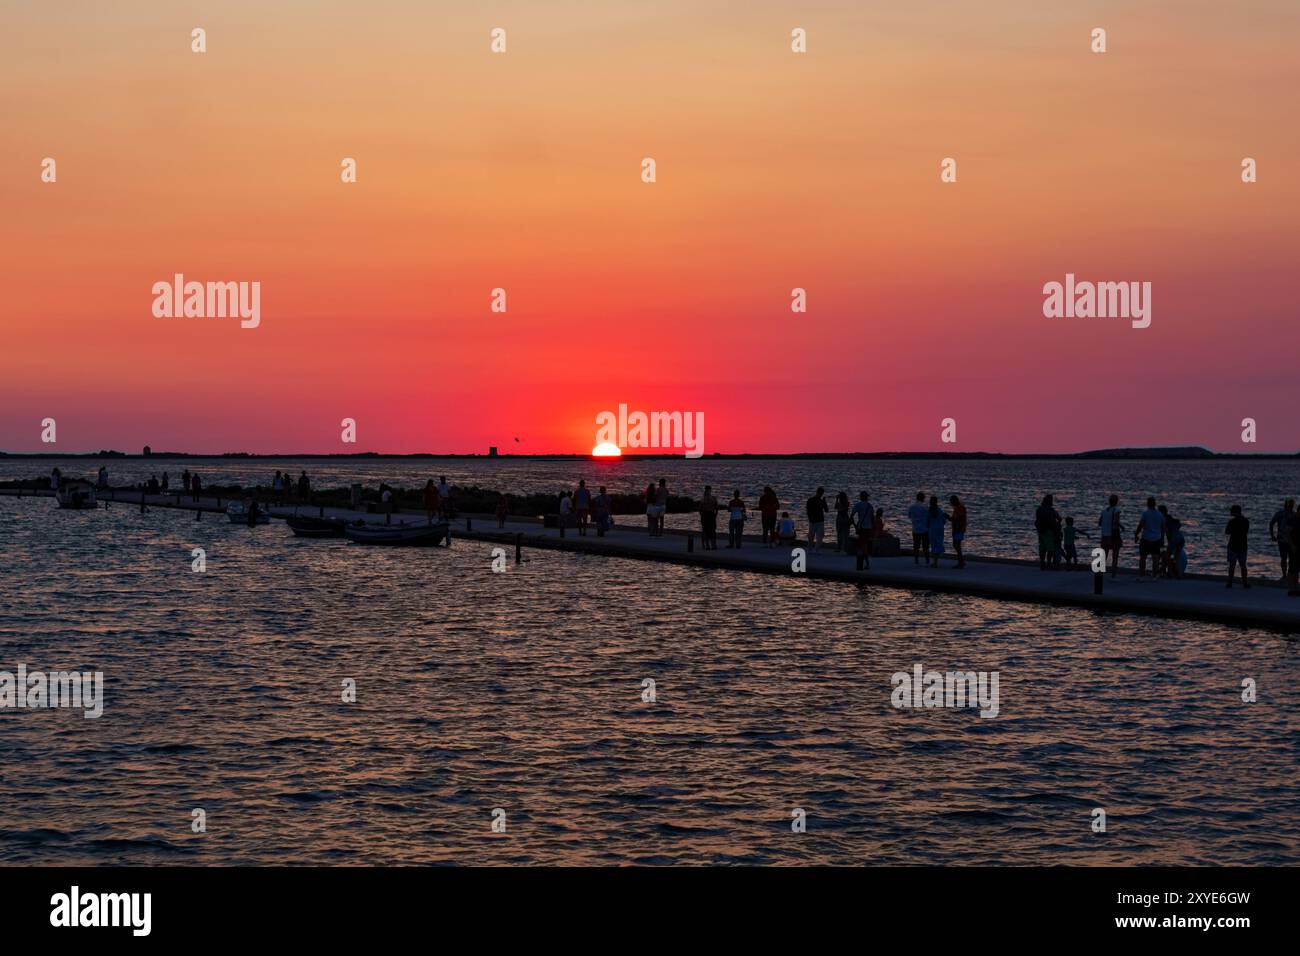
(305, 526)
(409, 534)
(76, 495)
(238, 514)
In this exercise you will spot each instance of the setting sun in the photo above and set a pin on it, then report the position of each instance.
(606, 450)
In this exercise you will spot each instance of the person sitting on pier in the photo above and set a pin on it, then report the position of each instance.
(785, 529)
(1238, 530)
(736, 527)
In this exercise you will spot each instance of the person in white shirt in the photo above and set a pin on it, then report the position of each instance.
(444, 496)
(1150, 533)
(919, 514)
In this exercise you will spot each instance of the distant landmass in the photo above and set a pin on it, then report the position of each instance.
(1162, 453)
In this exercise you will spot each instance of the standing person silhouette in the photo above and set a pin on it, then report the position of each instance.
(959, 520)
(1238, 531)
(1278, 530)
(709, 520)
(768, 506)
(736, 526)
(919, 515)
(1111, 532)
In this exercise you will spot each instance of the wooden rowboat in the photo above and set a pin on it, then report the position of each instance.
(400, 534)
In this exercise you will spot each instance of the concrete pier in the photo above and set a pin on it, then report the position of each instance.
(1199, 596)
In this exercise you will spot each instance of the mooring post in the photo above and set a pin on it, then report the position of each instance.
(1098, 578)
(690, 542)
(519, 546)
(198, 513)
(388, 518)
(469, 524)
(322, 511)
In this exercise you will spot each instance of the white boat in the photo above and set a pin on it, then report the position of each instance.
(238, 514)
(76, 495)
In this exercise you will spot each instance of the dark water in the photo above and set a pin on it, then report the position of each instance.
(1000, 495)
(522, 691)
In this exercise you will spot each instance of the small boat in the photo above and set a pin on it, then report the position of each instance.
(308, 527)
(77, 495)
(412, 534)
(238, 514)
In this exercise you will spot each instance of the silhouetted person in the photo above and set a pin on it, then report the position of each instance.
(842, 522)
(865, 521)
(736, 526)
(768, 506)
(709, 520)
(604, 508)
(1149, 535)
(817, 508)
(936, 518)
(959, 519)
(1111, 532)
(304, 487)
(1279, 531)
(1238, 531)
(1045, 521)
(432, 501)
(582, 504)
(919, 515)
(196, 486)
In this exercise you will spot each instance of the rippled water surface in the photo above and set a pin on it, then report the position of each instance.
(523, 691)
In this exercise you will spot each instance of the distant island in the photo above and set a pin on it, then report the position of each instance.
(1175, 453)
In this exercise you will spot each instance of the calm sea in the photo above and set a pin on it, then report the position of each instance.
(523, 691)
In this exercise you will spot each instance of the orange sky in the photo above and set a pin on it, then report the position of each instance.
(522, 171)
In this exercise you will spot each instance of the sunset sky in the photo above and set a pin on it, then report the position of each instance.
(775, 170)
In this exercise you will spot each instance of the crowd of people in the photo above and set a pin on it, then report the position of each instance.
(1157, 533)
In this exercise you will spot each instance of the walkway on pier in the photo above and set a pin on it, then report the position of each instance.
(1197, 596)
